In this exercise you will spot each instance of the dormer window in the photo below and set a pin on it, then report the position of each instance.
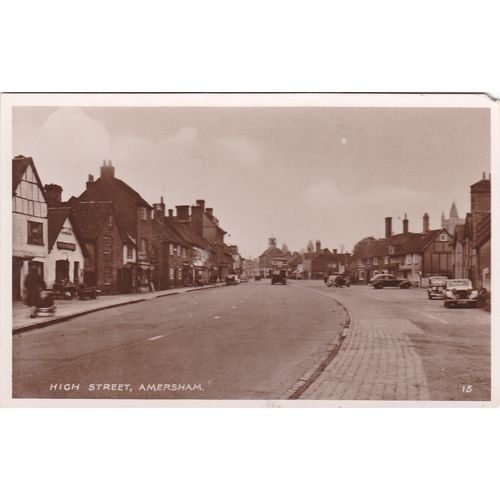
(443, 237)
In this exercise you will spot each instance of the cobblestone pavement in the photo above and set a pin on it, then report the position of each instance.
(378, 359)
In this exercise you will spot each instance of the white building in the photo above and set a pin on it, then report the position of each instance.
(29, 223)
(65, 261)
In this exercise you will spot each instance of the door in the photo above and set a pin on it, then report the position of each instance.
(62, 270)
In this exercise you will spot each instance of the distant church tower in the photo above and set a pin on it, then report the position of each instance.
(453, 220)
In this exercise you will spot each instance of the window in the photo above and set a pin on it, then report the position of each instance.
(171, 248)
(375, 261)
(144, 245)
(144, 213)
(108, 245)
(108, 275)
(130, 252)
(35, 233)
(391, 249)
(408, 259)
(443, 237)
(110, 220)
(386, 260)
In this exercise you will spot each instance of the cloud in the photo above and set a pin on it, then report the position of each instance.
(65, 148)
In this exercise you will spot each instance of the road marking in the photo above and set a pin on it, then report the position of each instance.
(157, 337)
(436, 318)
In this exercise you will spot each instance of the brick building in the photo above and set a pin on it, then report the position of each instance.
(108, 250)
(472, 241)
(325, 263)
(134, 217)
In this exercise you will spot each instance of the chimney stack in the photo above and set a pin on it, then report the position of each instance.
(90, 181)
(334, 251)
(170, 212)
(159, 210)
(182, 213)
(484, 176)
(318, 246)
(201, 203)
(53, 194)
(426, 222)
(405, 225)
(107, 170)
(210, 211)
(388, 227)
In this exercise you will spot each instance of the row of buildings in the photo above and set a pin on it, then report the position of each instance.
(460, 248)
(111, 238)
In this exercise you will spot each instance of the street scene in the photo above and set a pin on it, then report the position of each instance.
(251, 254)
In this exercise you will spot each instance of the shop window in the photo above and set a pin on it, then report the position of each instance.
(35, 233)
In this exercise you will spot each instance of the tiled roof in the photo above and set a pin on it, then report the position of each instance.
(402, 244)
(273, 252)
(166, 233)
(101, 190)
(185, 234)
(90, 216)
(56, 218)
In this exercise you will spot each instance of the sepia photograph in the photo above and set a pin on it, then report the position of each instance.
(248, 249)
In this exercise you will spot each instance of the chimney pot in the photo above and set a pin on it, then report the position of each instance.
(405, 225)
(388, 227)
(426, 223)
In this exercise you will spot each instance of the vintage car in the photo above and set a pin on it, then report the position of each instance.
(258, 277)
(337, 280)
(435, 289)
(232, 279)
(389, 280)
(460, 292)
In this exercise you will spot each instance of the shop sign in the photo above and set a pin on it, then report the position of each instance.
(63, 245)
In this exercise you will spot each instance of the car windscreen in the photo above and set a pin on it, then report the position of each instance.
(453, 283)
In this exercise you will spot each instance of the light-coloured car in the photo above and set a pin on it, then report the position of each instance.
(460, 292)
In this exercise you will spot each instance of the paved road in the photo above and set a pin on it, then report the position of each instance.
(250, 341)
(404, 346)
(257, 341)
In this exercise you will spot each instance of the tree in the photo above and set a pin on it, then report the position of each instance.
(310, 247)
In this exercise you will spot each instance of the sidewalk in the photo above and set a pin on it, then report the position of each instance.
(67, 309)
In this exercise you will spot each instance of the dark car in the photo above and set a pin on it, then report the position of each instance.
(436, 287)
(389, 280)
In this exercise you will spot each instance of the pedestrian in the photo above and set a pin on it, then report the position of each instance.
(33, 284)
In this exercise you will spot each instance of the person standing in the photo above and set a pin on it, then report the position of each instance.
(33, 284)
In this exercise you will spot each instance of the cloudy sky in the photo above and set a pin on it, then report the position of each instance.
(298, 174)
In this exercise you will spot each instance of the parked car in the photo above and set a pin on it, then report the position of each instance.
(435, 289)
(337, 280)
(243, 279)
(460, 292)
(389, 280)
(232, 279)
(258, 277)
